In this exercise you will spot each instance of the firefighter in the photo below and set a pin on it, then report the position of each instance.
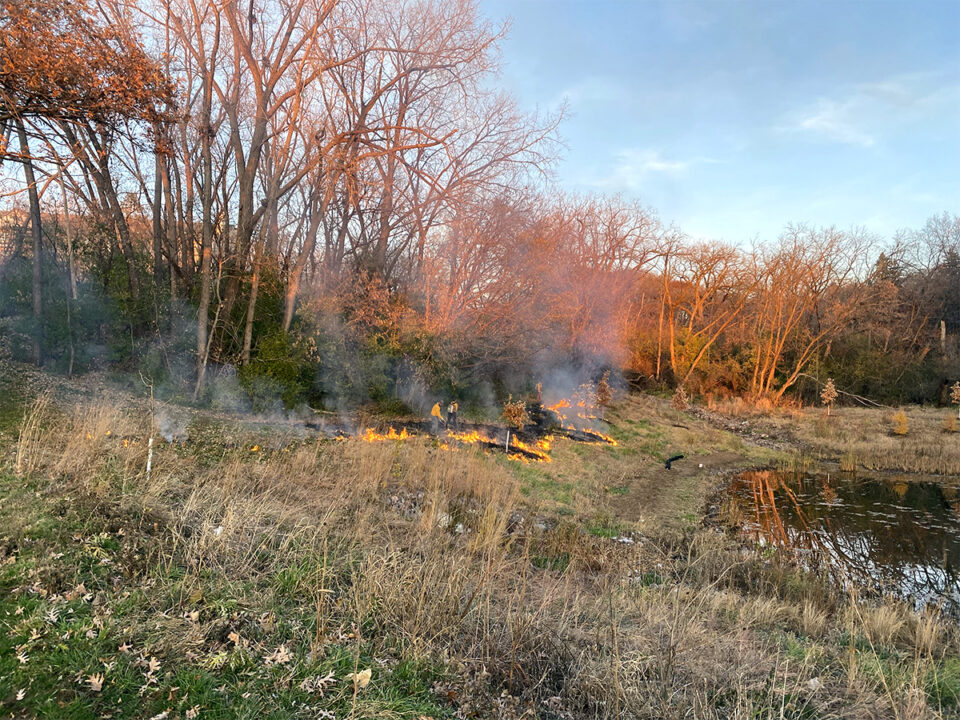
(435, 418)
(452, 409)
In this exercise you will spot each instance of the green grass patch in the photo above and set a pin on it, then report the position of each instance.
(93, 625)
(605, 528)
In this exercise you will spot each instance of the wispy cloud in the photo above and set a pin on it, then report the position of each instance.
(838, 121)
(863, 114)
(593, 89)
(633, 167)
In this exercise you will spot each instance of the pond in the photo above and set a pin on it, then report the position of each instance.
(888, 536)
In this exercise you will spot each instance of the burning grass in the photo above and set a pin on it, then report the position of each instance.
(514, 448)
(315, 578)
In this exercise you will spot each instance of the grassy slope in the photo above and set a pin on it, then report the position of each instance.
(101, 617)
(348, 557)
(628, 485)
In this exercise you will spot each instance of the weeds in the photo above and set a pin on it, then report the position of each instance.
(396, 580)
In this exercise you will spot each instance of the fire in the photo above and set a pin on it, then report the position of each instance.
(371, 435)
(585, 413)
(471, 438)
(540, 455)
(528, 453)
(518, 450)
(601, 436)
(557, 407)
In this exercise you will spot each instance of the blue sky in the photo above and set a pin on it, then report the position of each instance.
(733, 118)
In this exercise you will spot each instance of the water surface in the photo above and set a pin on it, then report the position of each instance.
(889, 536)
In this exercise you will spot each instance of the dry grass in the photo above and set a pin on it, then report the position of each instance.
(29, 442)
(403, 544)
(866, 438)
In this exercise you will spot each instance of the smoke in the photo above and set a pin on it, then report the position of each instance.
(172, 427)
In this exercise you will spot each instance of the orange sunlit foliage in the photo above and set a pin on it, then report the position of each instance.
(60, 61)
(345, 178)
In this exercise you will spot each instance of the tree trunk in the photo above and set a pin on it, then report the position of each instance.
(171, 223)
(36, 231)
(206, 240)
(251, 312)
(158, 217)
(296, 271)
(68, 224)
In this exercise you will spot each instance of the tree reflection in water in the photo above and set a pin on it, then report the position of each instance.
(882, 536)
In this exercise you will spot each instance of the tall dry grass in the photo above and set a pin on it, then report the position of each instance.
(30, 448)
(435, 550)
(867, 439)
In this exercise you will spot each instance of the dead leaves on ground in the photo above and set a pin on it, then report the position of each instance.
(95, 682)
(280, 656)
(360, 679)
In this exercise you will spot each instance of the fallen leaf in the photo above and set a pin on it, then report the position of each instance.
(96, 682)
(280, 656)
(361, 679)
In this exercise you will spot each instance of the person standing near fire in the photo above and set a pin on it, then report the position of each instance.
(452, 410)
(435, 418)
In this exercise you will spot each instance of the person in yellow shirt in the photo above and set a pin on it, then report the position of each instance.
(452, 409)
(436, 416)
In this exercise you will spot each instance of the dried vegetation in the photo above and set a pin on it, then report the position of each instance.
(309, 578)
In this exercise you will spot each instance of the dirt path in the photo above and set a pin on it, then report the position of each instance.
(649, 495)
(676, 497)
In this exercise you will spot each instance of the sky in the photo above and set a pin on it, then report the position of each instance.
(733, 118)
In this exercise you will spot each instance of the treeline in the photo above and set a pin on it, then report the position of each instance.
(333, 197)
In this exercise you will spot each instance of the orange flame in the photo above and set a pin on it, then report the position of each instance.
(371, 435)
(537, 453)
(470, 438)
(527, 452)
(585, 413)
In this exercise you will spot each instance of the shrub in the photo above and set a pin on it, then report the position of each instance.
(901, 425)
(604, 391)
(829, 395)
(515, 413)
(680, 400)
(283, 366)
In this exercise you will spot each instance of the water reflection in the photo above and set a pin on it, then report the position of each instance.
(884, 536)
